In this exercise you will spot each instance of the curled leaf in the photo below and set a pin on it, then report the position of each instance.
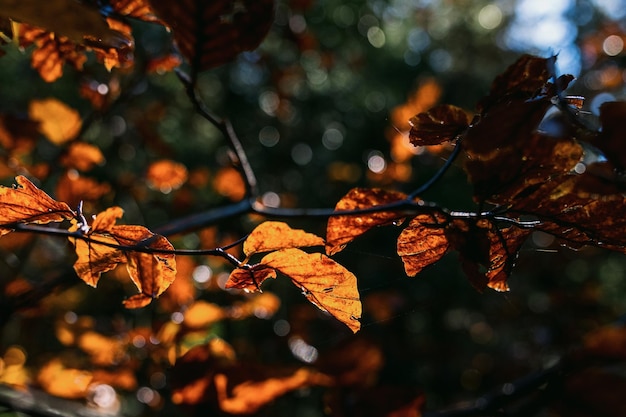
(28, 204)
(270, 236)
(423, 242)
(250, 279)
(440, 124)
(323, 281)
(343, 229)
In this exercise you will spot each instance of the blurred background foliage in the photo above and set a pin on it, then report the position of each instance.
(322, 106)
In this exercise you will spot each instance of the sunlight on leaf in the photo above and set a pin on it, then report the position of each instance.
(57, 380)
(270, 236)
(440, 124)
(423, 242)
(202, 314)
(166, 175)
(82, 156)
(28, 204)
(324, 283)
(58, 122)
(250, 279)
(343, 229)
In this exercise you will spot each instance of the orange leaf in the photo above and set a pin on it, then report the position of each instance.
(74, 188)
(82, 156)
(28, 204)
(270, 236)
(342, 230)
(210, 34)
(202, 314)
(166, 175)
(228, 182)
(248, 397)
(152, 272)
(440, 124)
(324, 282)
(423, 242)
(63, 382)
(250, 279)
(58, 122)
(104, 351)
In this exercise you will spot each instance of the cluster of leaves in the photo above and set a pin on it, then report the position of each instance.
(533, 162)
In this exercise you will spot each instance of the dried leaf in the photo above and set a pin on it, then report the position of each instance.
(28, 204)
(270, 236)
(343, 229)
(58, 122)
(74, 188)
(423, 242)
(152, 272)
(166, 175)
(210, 34)
(51, 52)
(82, 156)
(250, 279)
(440, 124)
(324, 282)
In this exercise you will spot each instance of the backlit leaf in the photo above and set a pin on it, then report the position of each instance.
(58, 122)
(270, 236)
(228, 182)
(82, 156)
(210, 34)
(423, 242)
(324, 282)
(57, 380)
(51, 52)
(202, 314)
(440, 124)
(250, 279)
(343, 229)
(249, 396)
(166, 175)
(151, 272)
(28, 204)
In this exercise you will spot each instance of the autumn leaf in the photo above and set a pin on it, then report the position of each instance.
(440, 124)
(248, 397)
(58, 122)
(82, 156)
(166, 175)
(343, 229)
(228, 182)
(152, 272)
(210, 34)
(423, 242)
(28, 204)
(202, 314)
(610, 140)
(60, 381)
(325, 283)
(250, 279)
(270, 236)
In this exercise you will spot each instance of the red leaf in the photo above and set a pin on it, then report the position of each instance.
(440, 124)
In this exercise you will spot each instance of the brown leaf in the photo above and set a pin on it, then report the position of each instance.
(210, 34)
(58, 122)
(250, 279)
(166, 175)
(440, 124)
(151, 272)
(51, 52)
(28, 204)
(343, 229)
(270, 236)
(82, 156)
(423, 242)
(324, 282)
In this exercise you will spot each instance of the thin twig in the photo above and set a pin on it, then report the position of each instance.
(439, 174)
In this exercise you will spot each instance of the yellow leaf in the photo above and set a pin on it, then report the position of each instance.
(271, 236)
(323, 281)
(58, 122)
